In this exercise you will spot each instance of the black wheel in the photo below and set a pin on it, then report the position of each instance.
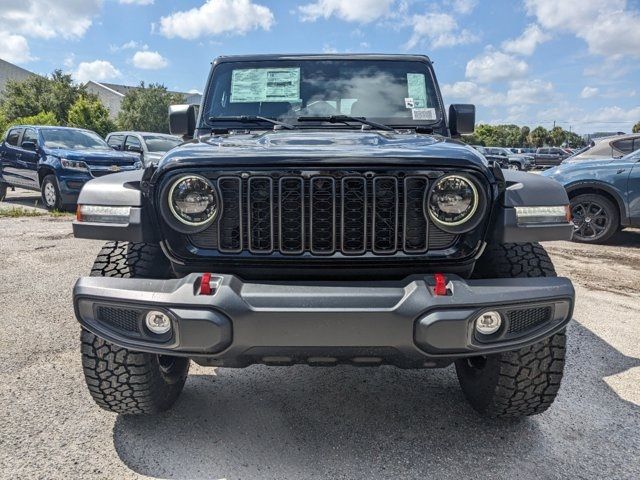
(50, 193)
(595, 217)
(3, 191)
(121, 380)
(524, 381)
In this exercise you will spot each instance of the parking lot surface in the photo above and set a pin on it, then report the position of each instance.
(304, 422)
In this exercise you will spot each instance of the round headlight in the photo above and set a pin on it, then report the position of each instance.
(193, 200)
(453, 201)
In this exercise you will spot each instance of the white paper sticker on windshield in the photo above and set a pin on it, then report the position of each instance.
(265, 85)
(408, 103)
(423, 113)
(417, 89)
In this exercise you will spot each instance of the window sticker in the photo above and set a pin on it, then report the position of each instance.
(423, 113)
(417, 89)
(265, 85)
(409, 103)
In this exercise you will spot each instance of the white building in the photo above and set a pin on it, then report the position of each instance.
(111, 95)
(9, 72)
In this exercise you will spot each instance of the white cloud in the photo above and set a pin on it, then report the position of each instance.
(523, 92)
(464, 6)
(130, 45)
(608, 27)
(216, 17)
(526, 43)
(49, 18)
(435, 30)
(136, 2)
(589, 92)
(493, 66)
(362, 11)
(14, 48)
(98, 70)
(149, 60)
(471, 92)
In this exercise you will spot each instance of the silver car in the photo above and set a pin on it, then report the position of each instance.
(150, 146)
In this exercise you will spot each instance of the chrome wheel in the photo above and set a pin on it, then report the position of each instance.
(590, 220)
(50, 196)
(514, 166)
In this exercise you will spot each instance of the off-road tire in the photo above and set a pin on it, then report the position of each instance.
(121, 380)
(525, 381)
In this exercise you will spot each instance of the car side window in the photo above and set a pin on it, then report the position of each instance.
(115, 141)
(132, 142)
(14, 136)
(624, 146)
(30, 135)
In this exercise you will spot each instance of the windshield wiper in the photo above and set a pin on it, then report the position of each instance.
(251, 119)
(344, 119)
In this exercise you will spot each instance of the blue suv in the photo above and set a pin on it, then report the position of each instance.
(604, 195)
(57, 161)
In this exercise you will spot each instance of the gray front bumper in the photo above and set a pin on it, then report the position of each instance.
(322, 323)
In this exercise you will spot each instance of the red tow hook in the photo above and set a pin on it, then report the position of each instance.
(440, 288)
(205, 284)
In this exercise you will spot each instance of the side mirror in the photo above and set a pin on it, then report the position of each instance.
(182, 120)
(134, 148)
(29, 146)
(462, 119)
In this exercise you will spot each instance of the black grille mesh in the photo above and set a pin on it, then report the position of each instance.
(526, 318)
(122, 318)
(323, 214)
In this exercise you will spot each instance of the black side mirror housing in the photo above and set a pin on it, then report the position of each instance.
(29, 146)
(462, 119)
(182, 120)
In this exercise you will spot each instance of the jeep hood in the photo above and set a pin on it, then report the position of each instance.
(321, 147)
(95, 157)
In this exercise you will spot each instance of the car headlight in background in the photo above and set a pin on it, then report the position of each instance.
(193, 201)
(74, 165)
(455, 203)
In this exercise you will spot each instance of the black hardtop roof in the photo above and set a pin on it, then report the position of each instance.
(322, 56)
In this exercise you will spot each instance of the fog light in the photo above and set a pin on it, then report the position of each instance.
(158, 322)
(488, 323)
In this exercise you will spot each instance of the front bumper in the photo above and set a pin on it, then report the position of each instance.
(402, 323)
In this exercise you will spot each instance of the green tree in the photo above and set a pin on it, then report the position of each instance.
(146, 108)
(557, 136)
(538, 136)
(42, 118)
(636, 128)
(524, 136)
(90, 113)
(36, 94)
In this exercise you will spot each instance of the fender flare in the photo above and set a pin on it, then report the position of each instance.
(605, 187)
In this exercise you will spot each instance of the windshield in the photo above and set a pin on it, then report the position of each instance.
(160, 143)
(73, 139)
(398, 93)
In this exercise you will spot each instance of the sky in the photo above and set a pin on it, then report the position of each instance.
(533, 62)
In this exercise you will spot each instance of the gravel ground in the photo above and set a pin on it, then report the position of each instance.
(303, 422)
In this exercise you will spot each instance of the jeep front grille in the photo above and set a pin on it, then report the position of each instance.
(323, 214)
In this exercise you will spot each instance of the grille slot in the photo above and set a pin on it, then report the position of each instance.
(307, 213)
(122, 318)
(527, 318)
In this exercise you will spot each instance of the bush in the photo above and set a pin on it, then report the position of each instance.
(42, 118)
(91, 114)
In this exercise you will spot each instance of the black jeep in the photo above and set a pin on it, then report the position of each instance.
(322, 213)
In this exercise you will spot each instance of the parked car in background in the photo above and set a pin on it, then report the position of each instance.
(609, 147)
(57, 161)
(150, 146)
(549, 156)
(506, 158)
(604, 195)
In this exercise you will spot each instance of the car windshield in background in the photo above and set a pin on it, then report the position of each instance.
(398, 93)
(160, 143)
(63, 138)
